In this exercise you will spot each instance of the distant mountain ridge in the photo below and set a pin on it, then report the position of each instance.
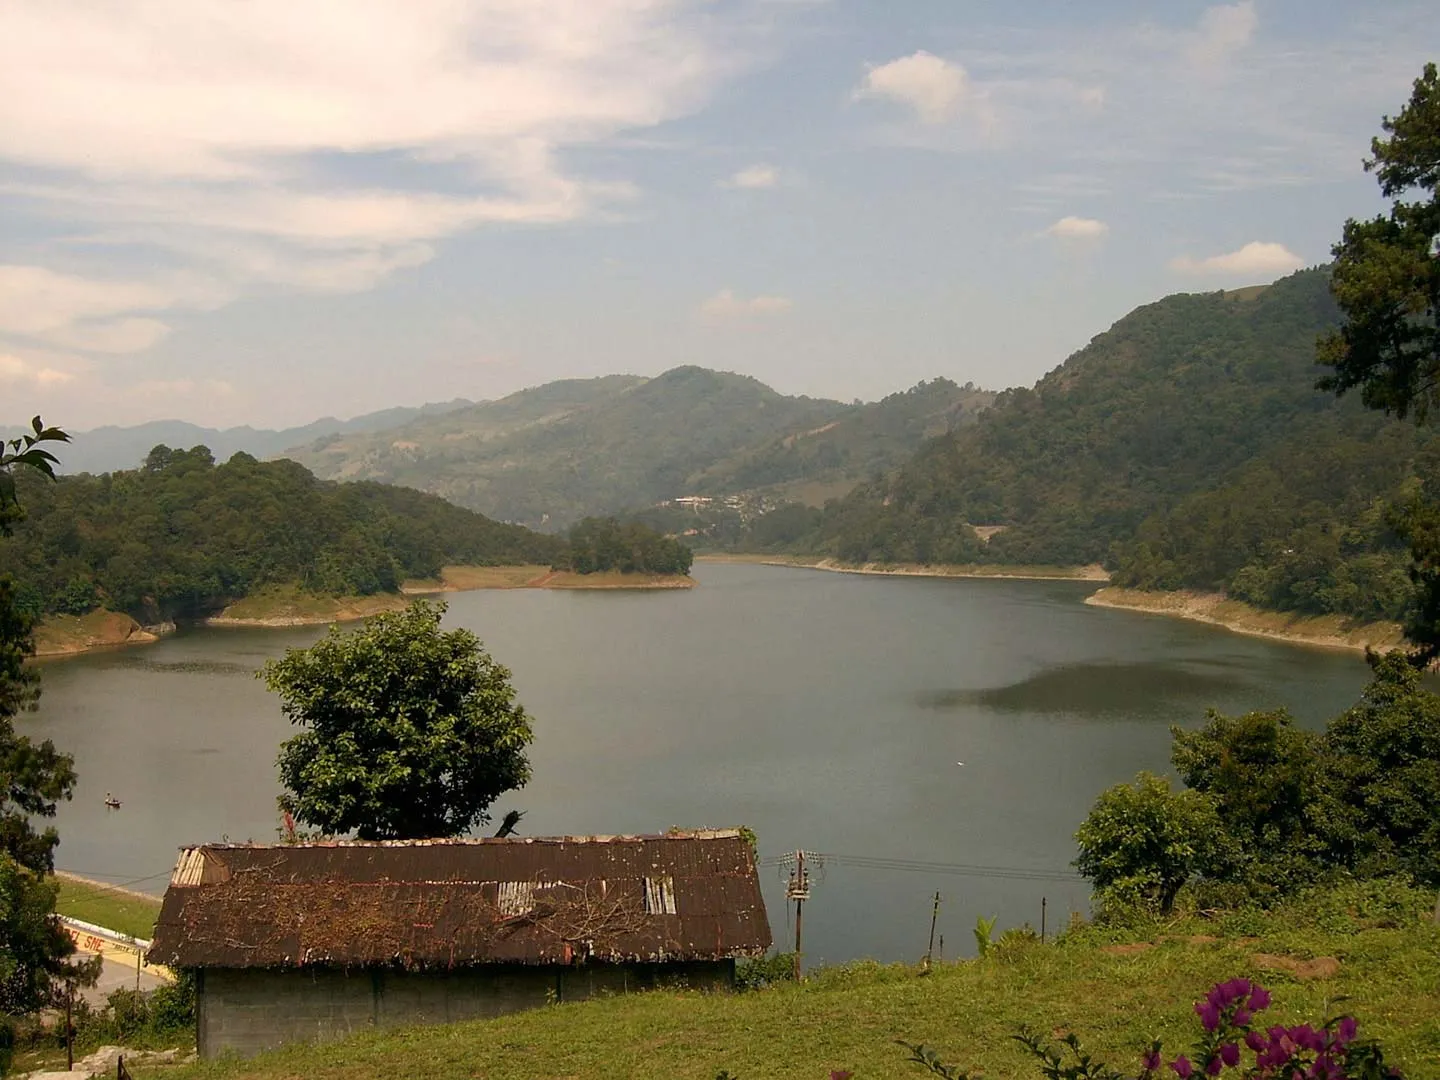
(108, 448)
(553, 454)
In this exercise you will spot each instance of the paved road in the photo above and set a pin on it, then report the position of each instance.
(115, 975)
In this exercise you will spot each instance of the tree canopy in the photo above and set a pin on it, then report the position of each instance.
(183, 536)
(1386, 278)
(34, 778)
(1387, 283)
(1281, 807)
(410, 731)
(596, 545)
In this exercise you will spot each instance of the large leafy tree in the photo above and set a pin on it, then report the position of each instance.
(1260, 771)
(34, 777)
(411, 731)
(1378, 800)
(1387, 282)
(1386, 277)
(1143, 841)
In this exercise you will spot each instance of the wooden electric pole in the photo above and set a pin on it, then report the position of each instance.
(799, 891)
(934, 917)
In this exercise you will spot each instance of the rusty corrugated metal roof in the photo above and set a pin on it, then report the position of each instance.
(680, 896)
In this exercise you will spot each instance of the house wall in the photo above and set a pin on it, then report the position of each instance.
(246, 1011)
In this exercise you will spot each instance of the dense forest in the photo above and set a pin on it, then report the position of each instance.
(597, 545)
(1185, 447)
(182, 536)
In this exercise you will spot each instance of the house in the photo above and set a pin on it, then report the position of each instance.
(316, 941)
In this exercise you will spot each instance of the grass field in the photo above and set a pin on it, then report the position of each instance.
(1115, 990)
(119, 910)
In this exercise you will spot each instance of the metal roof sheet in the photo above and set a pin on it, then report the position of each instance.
(420, 904)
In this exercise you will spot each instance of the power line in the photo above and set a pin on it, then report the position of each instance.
(920, 866)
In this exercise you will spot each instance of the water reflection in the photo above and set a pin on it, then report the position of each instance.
(1105, 690)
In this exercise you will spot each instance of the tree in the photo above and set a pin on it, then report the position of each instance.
(34, 951)
(1261, 772)
(1387, 282)
(412, 731)
(1386, 279)
(1379, 790)
(1142, 842)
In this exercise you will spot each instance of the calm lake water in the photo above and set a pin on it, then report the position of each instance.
(826, 711)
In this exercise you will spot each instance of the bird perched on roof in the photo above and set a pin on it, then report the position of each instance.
(507, 826)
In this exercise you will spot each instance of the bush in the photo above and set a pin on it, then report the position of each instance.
(765, 971)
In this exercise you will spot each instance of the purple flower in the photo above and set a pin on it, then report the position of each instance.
(1209, 1014)
(1242, 1017)
(1182, 1067)
(1259, 999)
(1230, 1054)
(1307, 1037)
(1256, 1040)
(1213, 1067)
(1346, 1030)
(1150, 1060)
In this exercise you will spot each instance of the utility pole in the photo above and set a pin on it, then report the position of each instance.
(934, 916)
(799, 891)
(1043, 902)
(69, 1028)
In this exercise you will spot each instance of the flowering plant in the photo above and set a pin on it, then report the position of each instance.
(1298, 1052)
(1230, 1034)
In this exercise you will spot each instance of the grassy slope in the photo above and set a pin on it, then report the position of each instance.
(847, 1018)
(119, 910)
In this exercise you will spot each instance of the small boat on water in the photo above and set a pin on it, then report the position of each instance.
(112, 802)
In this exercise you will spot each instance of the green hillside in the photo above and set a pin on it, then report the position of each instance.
(561, 452)
(1115, 989)
(1184, 447)
(867, 441)
(183, 536)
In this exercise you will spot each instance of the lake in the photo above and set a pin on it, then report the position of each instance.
(826, 711)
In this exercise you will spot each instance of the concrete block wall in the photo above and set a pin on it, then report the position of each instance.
(246, 1011)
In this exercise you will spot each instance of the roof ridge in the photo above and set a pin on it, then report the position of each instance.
(476, 841)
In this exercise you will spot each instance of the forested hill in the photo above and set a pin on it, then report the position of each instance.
(182, 536)
(1184, 447)
(564, 451)
(865, 441)
(557, 453)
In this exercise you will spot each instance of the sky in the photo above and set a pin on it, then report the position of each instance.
(270, 211)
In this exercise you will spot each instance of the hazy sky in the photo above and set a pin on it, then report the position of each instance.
(268, 211)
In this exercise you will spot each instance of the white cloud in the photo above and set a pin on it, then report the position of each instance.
(1256, 257)
(754, 176)
(1224, 30)
(110, 336)
(246, 138)
(18, 369)
(725, 305)
(1077, 228)
(935, 88)
(87, 313)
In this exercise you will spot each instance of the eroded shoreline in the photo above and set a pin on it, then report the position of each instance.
(1317, 631)
(67, 636)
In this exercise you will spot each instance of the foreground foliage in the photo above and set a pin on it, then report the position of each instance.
(1268, 809)
(34, 778)
(847, 1018)
(411, 731)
